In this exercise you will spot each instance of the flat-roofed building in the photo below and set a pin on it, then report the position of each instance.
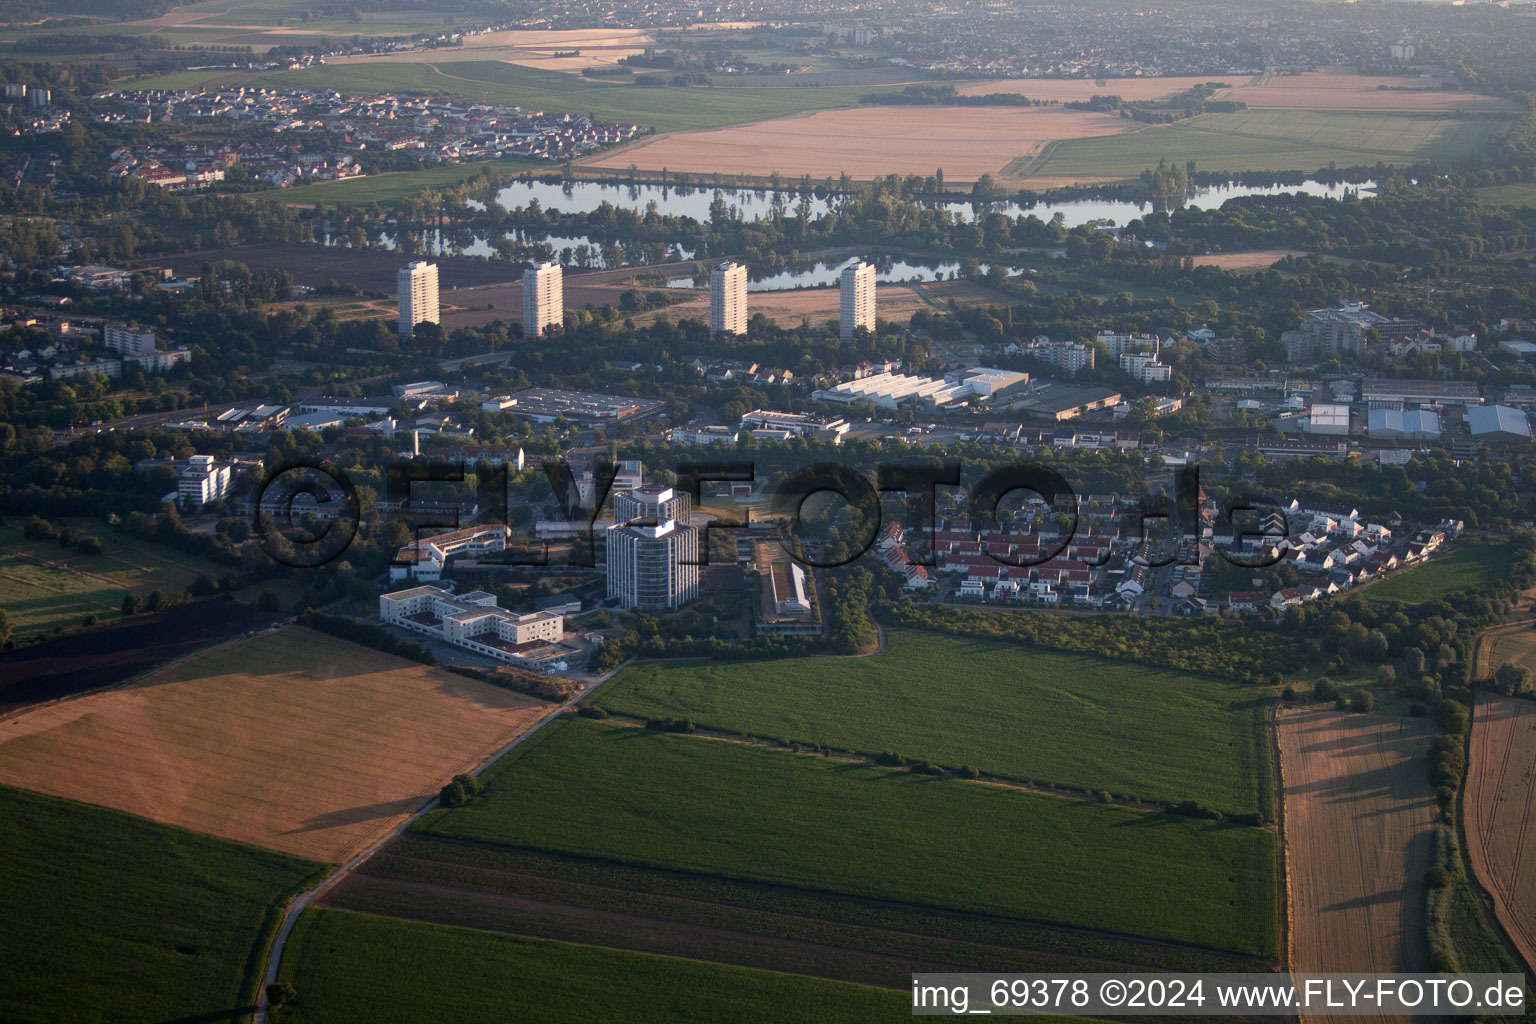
(474, 622)
(417, 288)
(543, 298)
(1395, 393)
(1328, 418)
(203, 480)
(728, 299)
(856, 301)
(424, 559)
(128, 340)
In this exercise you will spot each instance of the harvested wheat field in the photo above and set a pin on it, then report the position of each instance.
(1358, 838)
(1345, 90)
(571, 50)
(292, 740)
(1069, 90)
(1513, 642)
(1256, 260)
(1501, 812)
(868, 142)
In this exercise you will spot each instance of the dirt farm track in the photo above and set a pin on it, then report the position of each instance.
(1500, 811)
(1358, 838)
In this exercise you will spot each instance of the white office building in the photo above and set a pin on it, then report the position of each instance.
(475, 623)
(418, 296)
(130, 342)
(857, 306)
(728, 300)
(543, 298)
(203, 480)
(652, 504)
(424, 559)
(653, 567)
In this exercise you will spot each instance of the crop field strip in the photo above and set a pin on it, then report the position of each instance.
(1359, 814)
(112, 918)
(350, 966)
(640, 798)
(710, 918)
(1053, 718)
(1500, 812)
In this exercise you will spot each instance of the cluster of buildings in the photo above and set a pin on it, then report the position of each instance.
(728, 313)
(430, 129)
(29, 110)
(192, 167)
(1108, 562)
(77, 347)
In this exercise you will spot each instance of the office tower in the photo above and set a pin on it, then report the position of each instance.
(652, 504)
(543, 298)
(652, 567)
(418, 296)
(728, 300)
(858, 299)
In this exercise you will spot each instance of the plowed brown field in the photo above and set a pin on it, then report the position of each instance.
(1501, 812)
(292, 740)
(1358, 818)
(869, 142)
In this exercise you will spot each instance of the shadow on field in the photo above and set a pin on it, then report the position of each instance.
(358, 814)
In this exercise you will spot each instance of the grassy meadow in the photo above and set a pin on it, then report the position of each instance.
(43, 585)
(685, 803)
(1269, 140)
(1468, 567)
(1004, 708)
(113, 918)
(347, 967)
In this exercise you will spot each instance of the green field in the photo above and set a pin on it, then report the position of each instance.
(665, 109)
(1468, 567)
(43, 585)
(691, 804)
(350, 967)
(113, 918)
(1066, 719)
(1269, 140)
(1522, 194)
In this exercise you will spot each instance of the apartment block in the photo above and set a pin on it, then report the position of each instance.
(543, 298)
(417, 284)
(857, 299)
(728, 300)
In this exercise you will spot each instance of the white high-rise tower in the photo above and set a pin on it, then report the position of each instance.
(857, 300)
(728, 300)
(543, 298)
(417, 296)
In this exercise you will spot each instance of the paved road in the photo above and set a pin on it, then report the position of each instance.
(297, 907)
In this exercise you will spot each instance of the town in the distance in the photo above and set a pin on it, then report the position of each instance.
(751, 515)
